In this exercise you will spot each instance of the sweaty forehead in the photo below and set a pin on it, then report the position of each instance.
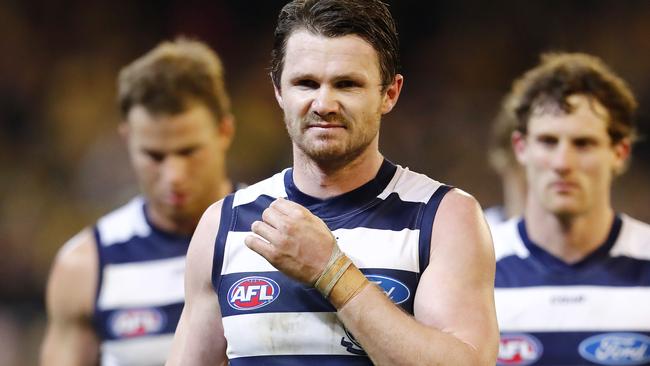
(311, 54)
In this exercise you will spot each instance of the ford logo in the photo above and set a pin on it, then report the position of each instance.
(394, 289)
(616, 349)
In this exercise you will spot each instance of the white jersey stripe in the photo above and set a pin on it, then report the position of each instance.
(290, 334)
(368, 248)
(273, 186)
(572, 308)
(411, 186)
(160, 282)
(152, 350)
(124, 223)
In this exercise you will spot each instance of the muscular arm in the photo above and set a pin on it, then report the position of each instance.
(70, 338)
(199, 338)
(455, 321)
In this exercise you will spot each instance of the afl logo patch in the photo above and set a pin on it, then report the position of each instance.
(518, 349)
(252, 292)
(616, 349)
(394, 289)
(136, 322)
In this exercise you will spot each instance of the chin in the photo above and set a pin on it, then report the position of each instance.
(566, 210)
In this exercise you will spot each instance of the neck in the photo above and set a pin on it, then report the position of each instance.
(324, 181)
(570, 238)
(186, 224)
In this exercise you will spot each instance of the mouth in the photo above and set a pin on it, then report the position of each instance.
(326, 125)
(564, 186)
(176, 199)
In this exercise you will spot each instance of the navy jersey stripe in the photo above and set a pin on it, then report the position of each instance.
(153, 247)
(513, 271)
(170, 315)
(100, 279)
(346, 202)
(301, 360)
(540, 268)
(296, 297)
(426, 224)
(220, 241)
(389, 214)
(555, 264)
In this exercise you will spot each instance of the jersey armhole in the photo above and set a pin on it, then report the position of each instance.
(426, 225)
(100, 278)
(225, 223)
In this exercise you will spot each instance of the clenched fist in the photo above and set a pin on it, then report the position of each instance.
(293, 240)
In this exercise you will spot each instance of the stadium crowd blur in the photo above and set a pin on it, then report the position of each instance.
(62, 163)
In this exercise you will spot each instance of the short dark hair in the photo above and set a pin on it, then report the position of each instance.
(369, 19)
(171, 76)
(560, 75)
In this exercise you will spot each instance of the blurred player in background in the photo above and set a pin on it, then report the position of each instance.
(115, 292)
(573, 275)
(345, 258)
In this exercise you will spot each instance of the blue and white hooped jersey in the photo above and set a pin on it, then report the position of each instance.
(594, 312)
(270, 319)
(140, 291)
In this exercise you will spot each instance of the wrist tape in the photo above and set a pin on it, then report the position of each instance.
(341, 280)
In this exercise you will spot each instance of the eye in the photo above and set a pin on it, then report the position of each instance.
(155, 156)
(585, 142)
(188, 152)
(347, 84)
(307, 84)
(548, 141)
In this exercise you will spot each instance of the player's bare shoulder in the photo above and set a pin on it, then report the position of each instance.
(73, 277)
(206, 230)
(460, 215)
(201, 250)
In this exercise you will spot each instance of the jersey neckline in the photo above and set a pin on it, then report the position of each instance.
(346, 202)
(552, 262)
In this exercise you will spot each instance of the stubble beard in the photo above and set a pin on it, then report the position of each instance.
(329, 155)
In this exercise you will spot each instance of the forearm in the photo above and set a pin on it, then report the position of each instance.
(392, 337)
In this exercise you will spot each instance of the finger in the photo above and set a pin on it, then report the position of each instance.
(287, 207)
(266, 231)
(259, 246)
(274, 217)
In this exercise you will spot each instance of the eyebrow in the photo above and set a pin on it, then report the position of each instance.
(309, 76)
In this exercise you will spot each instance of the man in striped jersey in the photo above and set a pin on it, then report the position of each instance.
(345, 258)
(573, 276)
(115, 292)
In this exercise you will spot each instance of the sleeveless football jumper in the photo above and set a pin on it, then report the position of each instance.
(140, 290)
(384, 227)
(593, 312)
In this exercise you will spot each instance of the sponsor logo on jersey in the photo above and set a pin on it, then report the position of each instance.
(136, 322)
(351, 344)
(616, 349)
(252, 292)
(519, 349)
(394, 289)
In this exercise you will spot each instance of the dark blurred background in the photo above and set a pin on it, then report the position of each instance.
(62, 164)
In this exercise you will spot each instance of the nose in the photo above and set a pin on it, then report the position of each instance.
(325, 102)
(563, 158)
(173, 170)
